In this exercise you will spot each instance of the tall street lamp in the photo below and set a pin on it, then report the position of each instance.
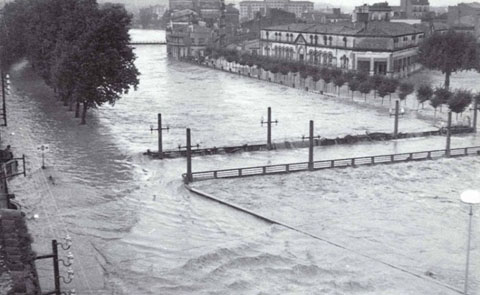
(469, 197)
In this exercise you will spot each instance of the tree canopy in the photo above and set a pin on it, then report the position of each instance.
(79, 48)
(449, 52)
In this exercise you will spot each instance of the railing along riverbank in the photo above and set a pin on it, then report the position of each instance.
(330, 164)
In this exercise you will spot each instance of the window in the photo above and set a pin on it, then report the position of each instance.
(330, 40)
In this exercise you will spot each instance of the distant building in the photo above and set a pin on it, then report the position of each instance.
(232, 20)
(321, 17)
(188, 41)
(378, 11)
(465, 17)
(415, 8)
(374, 47)
(181, 4)
(249, 9)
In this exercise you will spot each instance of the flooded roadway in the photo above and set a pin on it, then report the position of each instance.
(136, 230)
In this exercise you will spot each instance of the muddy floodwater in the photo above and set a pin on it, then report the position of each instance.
(137, 230)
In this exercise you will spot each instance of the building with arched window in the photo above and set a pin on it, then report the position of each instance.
(375, 47)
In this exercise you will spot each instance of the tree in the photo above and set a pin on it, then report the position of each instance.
(365, 87)
(424, 93)
(146, 17)
(459, 101)
(361, 76)
(405, 88)
(392, 85)
(326, 76)
(376, 81)
(339, 81)
(449, 52)
(353, 86)
(440, 96)
(106, 63)
(383, 90)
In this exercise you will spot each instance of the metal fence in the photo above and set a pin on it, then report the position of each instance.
(331, 164)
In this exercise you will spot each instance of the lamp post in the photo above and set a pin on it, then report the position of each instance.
(469, 197)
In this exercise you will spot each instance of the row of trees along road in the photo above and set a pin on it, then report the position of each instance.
(79, 48)
(448, 52)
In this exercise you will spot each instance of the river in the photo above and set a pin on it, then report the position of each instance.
(136, 230)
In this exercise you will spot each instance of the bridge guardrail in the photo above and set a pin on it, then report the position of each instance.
(331, 164)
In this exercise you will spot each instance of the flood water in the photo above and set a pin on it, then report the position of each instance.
(136, 229)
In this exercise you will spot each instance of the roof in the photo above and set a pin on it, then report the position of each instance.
(375, 28)
(475, 5)
(373, 43)
(419, 2)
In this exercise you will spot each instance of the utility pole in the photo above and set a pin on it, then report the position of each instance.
(189, 157)
(397, 110)
(310, 147)
(269, 127)
(160, 137)
(449, 133)
(5, 85)
(56, 267)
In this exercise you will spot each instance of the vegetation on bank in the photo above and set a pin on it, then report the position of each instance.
(450, 52)
(79, 48)
(381, 85)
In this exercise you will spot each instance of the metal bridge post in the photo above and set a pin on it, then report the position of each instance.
(449, 133)
(475, 113)
(269, 128)
(310, 147)
(189, 157)
(160, 144)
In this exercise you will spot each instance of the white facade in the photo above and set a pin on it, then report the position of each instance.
(349, 49)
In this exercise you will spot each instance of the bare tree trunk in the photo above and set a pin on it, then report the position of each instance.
(84, 114)
(70, 104)
(447, 79)
(77, 109)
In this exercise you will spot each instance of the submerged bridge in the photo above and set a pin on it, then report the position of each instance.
(330, 164)
(148, 43)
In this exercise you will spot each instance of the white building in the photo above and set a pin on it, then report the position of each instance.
(375, 47)
(248, 9)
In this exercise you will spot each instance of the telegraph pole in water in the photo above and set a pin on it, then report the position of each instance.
(449, 133)
(310, 147)
(189, 157)
(160, 130)
(269, 127)
(395, 127)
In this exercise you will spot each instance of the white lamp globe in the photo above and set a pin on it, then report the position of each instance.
(471, 197)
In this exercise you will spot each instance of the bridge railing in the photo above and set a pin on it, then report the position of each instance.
(330, 164)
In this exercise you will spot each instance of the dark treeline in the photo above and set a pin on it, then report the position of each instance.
(79, 48)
